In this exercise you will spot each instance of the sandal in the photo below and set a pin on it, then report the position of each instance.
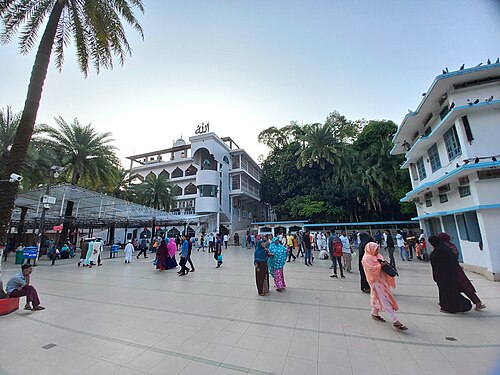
(379, 318)
(480, 307)
(400, 326)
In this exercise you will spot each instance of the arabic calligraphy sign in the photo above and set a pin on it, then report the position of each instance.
(203, 128)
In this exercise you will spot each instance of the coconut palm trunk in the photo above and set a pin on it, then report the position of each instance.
(17, 154)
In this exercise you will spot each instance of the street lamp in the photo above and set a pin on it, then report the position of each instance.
(46, 201)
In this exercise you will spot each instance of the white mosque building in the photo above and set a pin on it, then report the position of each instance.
(213, 179)
(452, 147)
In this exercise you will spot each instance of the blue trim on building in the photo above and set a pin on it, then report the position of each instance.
(436, 80)
(443, 121)
(443, 178)
(280, 222)
(458, 211)
(365, 223)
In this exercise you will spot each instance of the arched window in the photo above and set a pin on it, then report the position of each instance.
(177, 190)
(190, 232)
(151, 175)
(190, 189)
(191, 170)
(165, 173)
(177, 173)
(138, 177)
(173, 232)
(225, 159)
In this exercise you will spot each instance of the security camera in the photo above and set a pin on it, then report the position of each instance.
(15, 178)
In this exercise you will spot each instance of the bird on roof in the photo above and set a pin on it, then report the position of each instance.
(498, 60)
(444, 71)
(475, 101)
(462, 67)
(478, 65)
(488, 61)
(452, 105)
(469, 102)
(424, 94)
(489, 99)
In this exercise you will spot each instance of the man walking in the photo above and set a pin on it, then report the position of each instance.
(226, 239)
(289, 246)
(306, 243)
(401, 245)
(144, 248)
(190, 248)
(337, 256)
(346, 251)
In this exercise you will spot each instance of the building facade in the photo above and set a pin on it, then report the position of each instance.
(212, 177)
(452, 147)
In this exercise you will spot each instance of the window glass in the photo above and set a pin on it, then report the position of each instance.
(421, 169)
(434, 158)
(452, 145)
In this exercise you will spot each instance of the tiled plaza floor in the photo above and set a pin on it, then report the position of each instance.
(131, 319)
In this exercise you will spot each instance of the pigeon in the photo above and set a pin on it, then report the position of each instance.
(498, 60)
(452, 105)
(447, 71)
(462, 67)
(488, 62)
(489, 99)
(424, 94)
(478, 65)
(458, 165)
(469, 102)
(476, 160)
(444, 71)
(493, 158)
(476, 101)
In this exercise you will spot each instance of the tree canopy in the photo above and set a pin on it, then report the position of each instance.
(340, 170)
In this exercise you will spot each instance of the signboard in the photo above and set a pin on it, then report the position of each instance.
(30, 252)
(57, 228)
(47, 199)
(203, 128)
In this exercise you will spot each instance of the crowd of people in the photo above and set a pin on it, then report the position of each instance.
(377, 276)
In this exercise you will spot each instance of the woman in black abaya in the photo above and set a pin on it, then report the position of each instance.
(444, 272)
(364, 238)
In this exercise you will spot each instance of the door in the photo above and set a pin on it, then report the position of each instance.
(450, 227)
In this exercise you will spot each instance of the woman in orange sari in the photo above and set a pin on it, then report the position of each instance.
(381, 297)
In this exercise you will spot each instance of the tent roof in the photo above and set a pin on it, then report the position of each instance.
(91, 209)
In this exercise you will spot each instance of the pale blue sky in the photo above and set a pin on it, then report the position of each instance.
(248, 65)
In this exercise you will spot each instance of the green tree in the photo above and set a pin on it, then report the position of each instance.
(97, 30)
(88, 158)
(319, 147)
(155, 192)
(8, 126)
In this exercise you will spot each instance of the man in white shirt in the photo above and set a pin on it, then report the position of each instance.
(226, 239)
(346, 251)
(401, 245)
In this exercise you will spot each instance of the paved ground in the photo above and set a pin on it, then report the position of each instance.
(130, 319)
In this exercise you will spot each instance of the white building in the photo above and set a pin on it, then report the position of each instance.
(212, 178)
(452, 143)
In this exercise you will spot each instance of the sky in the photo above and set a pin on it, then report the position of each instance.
(247, 65)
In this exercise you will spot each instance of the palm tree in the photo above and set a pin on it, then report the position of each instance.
(8, 126)
(319, 146)
(97, 30)
(156, 192)
(88, 158)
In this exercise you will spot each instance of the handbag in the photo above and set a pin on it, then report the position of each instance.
(390, 270)
(219, 258)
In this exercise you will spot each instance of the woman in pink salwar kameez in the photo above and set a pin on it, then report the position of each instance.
(381, 297)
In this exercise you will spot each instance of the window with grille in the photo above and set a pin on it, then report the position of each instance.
(452, 144)
(421, 169)
(434, 158)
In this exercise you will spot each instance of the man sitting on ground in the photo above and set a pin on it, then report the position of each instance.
(19, 286)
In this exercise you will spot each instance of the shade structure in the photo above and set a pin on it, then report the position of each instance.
(91, 209)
